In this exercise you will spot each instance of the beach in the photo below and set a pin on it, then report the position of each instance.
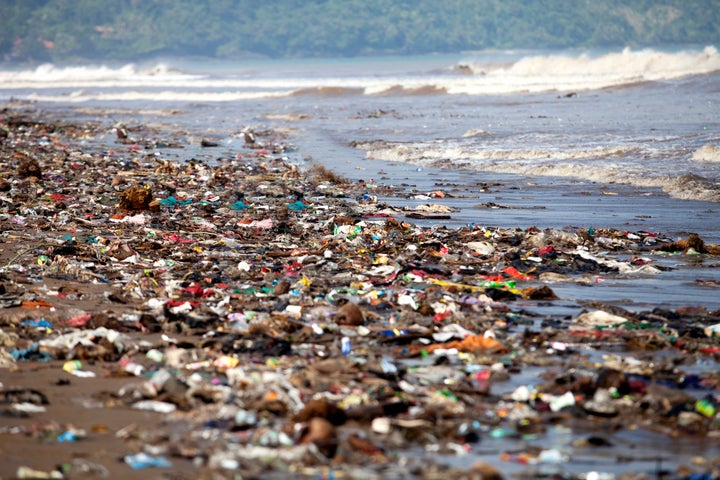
(252, 317)
(383, 269)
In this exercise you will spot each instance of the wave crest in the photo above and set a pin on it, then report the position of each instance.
(707, 153)
(50, 74)
(549, 163)
(488, 75)
(585, 71)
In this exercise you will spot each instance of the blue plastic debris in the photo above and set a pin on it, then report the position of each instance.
(37, 323)
(32, 352)
(143, 460)
(67, 436)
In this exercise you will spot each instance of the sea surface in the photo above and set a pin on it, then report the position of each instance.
(639, 122)
(626, 139)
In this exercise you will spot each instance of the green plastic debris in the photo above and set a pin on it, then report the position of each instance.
(297, 206)
(173, 202)
(239, 205)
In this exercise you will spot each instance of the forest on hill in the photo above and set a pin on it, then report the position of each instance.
(73, 30)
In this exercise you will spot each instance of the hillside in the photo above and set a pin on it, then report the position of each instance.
(71, 30)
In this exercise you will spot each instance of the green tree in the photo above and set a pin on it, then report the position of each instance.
(67, 30)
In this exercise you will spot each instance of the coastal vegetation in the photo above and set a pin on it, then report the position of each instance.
(71, 30)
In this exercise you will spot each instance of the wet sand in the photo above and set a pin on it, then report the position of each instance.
(84, 404)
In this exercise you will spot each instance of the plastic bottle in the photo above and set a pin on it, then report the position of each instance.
(155, 406)
(143, 460)
(705, 408)
(565, 400)
(72, 365)
(67, 436)
(552, 455)
(159, 379)
(155, 355)
(134, 368)
(346, 346)
(388, 366)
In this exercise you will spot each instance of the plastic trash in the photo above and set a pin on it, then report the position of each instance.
(552, 456)
(259, 319)
(557, 403)
(297, 206)
(239, 205)
(346, 347)
(706, 407)
(67, 436)
(72, 365)
(142, 460)
(154, 406)
(27, 472)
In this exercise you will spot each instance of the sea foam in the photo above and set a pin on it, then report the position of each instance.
(488, 75)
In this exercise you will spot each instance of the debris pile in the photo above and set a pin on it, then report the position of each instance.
(251, 317)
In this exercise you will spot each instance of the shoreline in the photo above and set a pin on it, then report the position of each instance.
(275, 312)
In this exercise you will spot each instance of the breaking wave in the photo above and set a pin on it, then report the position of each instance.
(583, 72)
(55, 76)
(328, 91)
(164, 96)
(603, 165)
(486, 75)
(418, 90)
(707, 153)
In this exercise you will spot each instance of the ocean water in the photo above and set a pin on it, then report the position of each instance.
(647, 119)
(626, 139)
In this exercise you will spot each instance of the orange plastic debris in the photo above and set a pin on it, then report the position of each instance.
(472, 344)
(39, 303)
(514, 273)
